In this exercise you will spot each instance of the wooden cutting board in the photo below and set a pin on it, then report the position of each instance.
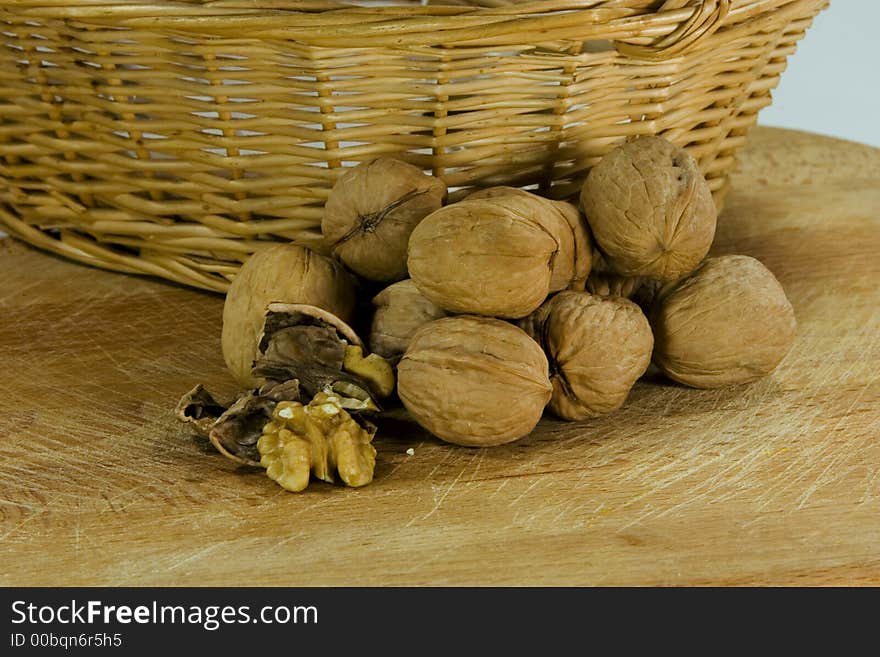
(773, 483)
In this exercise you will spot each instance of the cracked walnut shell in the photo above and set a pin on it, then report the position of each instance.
(650, 209)
(286, 273)
(726, 324)
(474, 381)
(371, 211)
(597, 348)
(303, 351)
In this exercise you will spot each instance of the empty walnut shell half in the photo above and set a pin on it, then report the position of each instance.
(474, 381)
(597, 348)
(728, 323)
(498, 257)
(371, 211)
(650, 209)
(400, 310)
(284, 273)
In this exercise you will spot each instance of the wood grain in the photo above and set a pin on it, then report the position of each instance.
(773, 483)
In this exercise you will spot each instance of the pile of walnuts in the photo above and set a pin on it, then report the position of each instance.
(489, 311)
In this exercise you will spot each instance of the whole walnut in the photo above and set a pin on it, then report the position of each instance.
(286, 273)
(728, 323)
(603, 282)
(400, 310)
(371, 211)
(650, 209)
(498, 257)
(597, 347)
(474, 381)
(582, 258)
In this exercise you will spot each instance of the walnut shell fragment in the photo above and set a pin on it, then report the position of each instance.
(474, 381)
(199, 409)
(650, 209)
(728, 323)
(371, 211)
(400, 310)
(597, 348)
(498, 257)
(285, 273)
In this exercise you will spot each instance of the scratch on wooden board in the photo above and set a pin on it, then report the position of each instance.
(77, 530)
(198, 554)
(501, 485)
(825, 454)
(29, 519)
(821, 477)
(403, 462)
(286, 540)
(19, 292)
(516, 499)
(873, 478)
(439, 502)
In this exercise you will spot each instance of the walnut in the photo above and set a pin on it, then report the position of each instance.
(474, 381)
(371, 211)
(318, 438)
(650, 209)
(285, 273)
(606, 284)
(603, 282)
(597, 348)
(582, 257)
(498, 256)
(728, 323)
(400, 311)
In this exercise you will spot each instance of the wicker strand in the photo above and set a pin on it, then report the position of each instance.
(174, 139)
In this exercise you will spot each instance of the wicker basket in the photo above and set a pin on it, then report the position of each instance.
(176, 138)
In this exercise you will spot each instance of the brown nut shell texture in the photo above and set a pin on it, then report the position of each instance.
(650, 209)
(572, 269)
(498, 257)
(474, 381)
(597, 348)
(728, 323)
(400, 310)
(285, 273)
(371, 211)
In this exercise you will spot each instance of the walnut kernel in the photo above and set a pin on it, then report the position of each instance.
(319, 438)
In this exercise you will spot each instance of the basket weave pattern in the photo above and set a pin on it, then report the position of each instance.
(176, 138)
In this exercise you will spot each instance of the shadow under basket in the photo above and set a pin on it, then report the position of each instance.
(176, 138)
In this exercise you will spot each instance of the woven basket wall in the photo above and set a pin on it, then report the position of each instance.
(175, 138)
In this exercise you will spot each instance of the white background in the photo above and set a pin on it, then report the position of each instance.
(832, 83)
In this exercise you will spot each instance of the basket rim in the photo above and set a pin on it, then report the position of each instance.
(638, 28)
